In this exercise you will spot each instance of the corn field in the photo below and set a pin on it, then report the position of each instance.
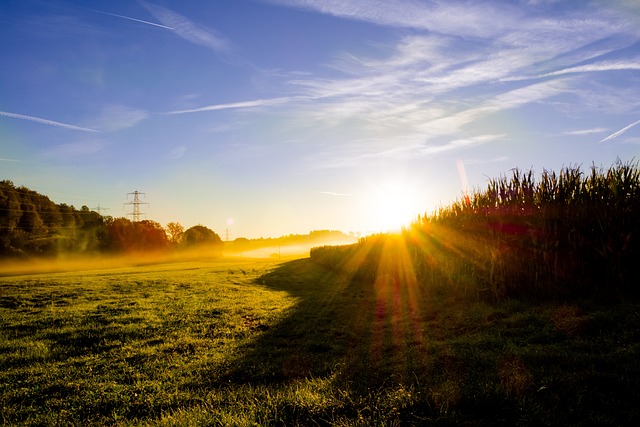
(567, 234)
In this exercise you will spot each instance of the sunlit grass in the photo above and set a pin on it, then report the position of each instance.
(124, 342)
(253, 342)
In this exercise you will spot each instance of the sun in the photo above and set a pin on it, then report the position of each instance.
(391, 206)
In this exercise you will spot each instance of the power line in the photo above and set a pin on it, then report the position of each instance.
(50, 211)
(25, 190)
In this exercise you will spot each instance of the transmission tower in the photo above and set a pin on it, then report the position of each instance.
(227, 233)
(136, 205)
(99, 209)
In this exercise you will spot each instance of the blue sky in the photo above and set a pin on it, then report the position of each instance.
(273, 117)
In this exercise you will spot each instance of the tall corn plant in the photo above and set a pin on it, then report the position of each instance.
(565, 234)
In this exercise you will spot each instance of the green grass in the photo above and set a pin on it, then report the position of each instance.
(128, 343)
(254, 342)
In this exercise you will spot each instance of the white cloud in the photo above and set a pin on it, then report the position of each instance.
(632, 65)
(177, 152)
(411, 87)
(118, 117)
(498, 159)
(462, 18)
(411, 92)
(187, 29)
(73, 149)
(331, 193)
(453, 123)
(585, 131)
(435, 85)
(460, 144)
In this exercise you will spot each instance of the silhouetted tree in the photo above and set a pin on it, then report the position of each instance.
(127, 236)
(31, 224)
(175, 232)
(150, 236)
(202, 236)
(120, 235)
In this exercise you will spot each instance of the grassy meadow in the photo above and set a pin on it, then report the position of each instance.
(266, 342)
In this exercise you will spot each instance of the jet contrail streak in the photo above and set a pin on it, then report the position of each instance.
(46, 122)
(133, 19)
(621, 131)
(239, 105)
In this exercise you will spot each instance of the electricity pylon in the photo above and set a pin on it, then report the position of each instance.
(99, 209)
(136, 205)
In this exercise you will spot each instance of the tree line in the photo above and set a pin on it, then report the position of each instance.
(33, 225)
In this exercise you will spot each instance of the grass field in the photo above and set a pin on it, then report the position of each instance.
(264, 342)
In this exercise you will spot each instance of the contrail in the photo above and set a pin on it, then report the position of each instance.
(239, 105)
(621, 131)
(133, 19)
(46, 122)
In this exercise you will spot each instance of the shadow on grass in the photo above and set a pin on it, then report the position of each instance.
(329, 321)
(430, 358)
(363, 335)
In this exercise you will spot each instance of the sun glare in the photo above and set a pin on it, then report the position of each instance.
(391, 207)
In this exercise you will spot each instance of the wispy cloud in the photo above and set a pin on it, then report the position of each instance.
(132, 19)
(177, 152)
(331, 193)
(187, 29)
(46, 121)
(585, 131)
(460, 144)
(628, 65)
(498, 159)
(2, 159)
(73, 149)
(256, 103)
(432, 87)
(423, 95)
(466, 18)
(620, 132)
(117, 117)
(453, 123)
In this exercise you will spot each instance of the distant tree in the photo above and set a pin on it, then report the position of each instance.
(123, 235)
(10, 214)
(91, 232)
(199, 234)
(175, 232)
(202, 236)
(150, 236)
(120, 235)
